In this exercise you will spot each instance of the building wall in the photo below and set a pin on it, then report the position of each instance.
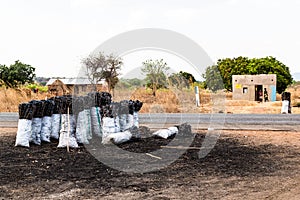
(246, 87)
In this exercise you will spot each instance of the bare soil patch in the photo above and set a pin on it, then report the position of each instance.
(243, 164)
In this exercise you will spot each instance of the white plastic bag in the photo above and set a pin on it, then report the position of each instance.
(23, 133)
(46, 129)
(285, 107)
(117, 124)
(67, 132)
(88, 124)
(166, 133)
(163, 133)
(108, 126)
(130, 121)
(136, 119)
(117, 138)
(81, 131)
(96, 121)
(173, 129)
(55, 126)
(36, 128)
(123, 122)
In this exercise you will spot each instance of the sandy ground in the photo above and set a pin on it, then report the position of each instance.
(242, 165)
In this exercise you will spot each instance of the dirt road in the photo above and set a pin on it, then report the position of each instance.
(243, 165)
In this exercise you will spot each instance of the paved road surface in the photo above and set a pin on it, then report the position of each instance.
(289, 122)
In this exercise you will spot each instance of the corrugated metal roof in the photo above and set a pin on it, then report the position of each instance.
(72, 81)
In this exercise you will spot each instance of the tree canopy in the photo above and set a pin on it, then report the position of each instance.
(189, 77)
(181, 80)
(245, 66)
(155, 72)
(16, 74)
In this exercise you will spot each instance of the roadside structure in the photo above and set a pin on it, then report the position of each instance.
(80, 86)
(261, 87)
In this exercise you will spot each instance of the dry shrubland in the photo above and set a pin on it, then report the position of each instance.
(11, 98)
(166, 101)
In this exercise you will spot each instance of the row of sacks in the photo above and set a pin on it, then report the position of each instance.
(75, 120)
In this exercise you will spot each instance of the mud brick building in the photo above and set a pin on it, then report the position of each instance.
(249, 87)
(80, 86)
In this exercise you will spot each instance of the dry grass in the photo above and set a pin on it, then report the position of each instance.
(295, 94)
(167, 101)
(11, 98)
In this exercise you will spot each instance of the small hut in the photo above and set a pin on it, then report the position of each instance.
(57, 88)
(254, 87)
(81, 86)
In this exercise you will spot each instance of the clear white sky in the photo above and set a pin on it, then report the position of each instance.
(54, 35)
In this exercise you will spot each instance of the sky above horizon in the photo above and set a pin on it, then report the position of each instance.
(54, 36)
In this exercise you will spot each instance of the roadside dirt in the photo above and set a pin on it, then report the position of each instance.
(242, 165)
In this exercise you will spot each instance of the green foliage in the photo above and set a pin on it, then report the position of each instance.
(155, 74)
(213, 79)
(181, 80)
(245, 66)
(40, 88)
(16, 74)
(130, 83)
(191, 79)
(201, 85)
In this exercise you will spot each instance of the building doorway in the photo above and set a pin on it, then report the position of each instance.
(259, 93)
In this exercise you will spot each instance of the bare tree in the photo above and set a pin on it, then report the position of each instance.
(112, 71)
(103, 67)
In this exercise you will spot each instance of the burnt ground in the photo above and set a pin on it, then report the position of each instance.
(248, 165)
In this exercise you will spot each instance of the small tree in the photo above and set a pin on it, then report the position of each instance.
(105, 67)
(181, 80)
(155, 73)
(112, 71)
(16, 74)
(178, 81)
(191, 79)
(213, 79)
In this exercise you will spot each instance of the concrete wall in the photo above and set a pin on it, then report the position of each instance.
(245, 87)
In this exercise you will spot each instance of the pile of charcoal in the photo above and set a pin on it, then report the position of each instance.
(76, 120)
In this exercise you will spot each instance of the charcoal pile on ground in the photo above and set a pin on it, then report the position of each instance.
(242, 165)
(76, 120)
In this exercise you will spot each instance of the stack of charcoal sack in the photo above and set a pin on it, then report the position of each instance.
(74, 120)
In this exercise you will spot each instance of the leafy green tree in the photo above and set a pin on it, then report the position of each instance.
(155, 72)
(245, 66)
(107, 67)
(270, 65)
(189, 77)
(16, 74)
(228, 67)
(181, 80)
(213, 78)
